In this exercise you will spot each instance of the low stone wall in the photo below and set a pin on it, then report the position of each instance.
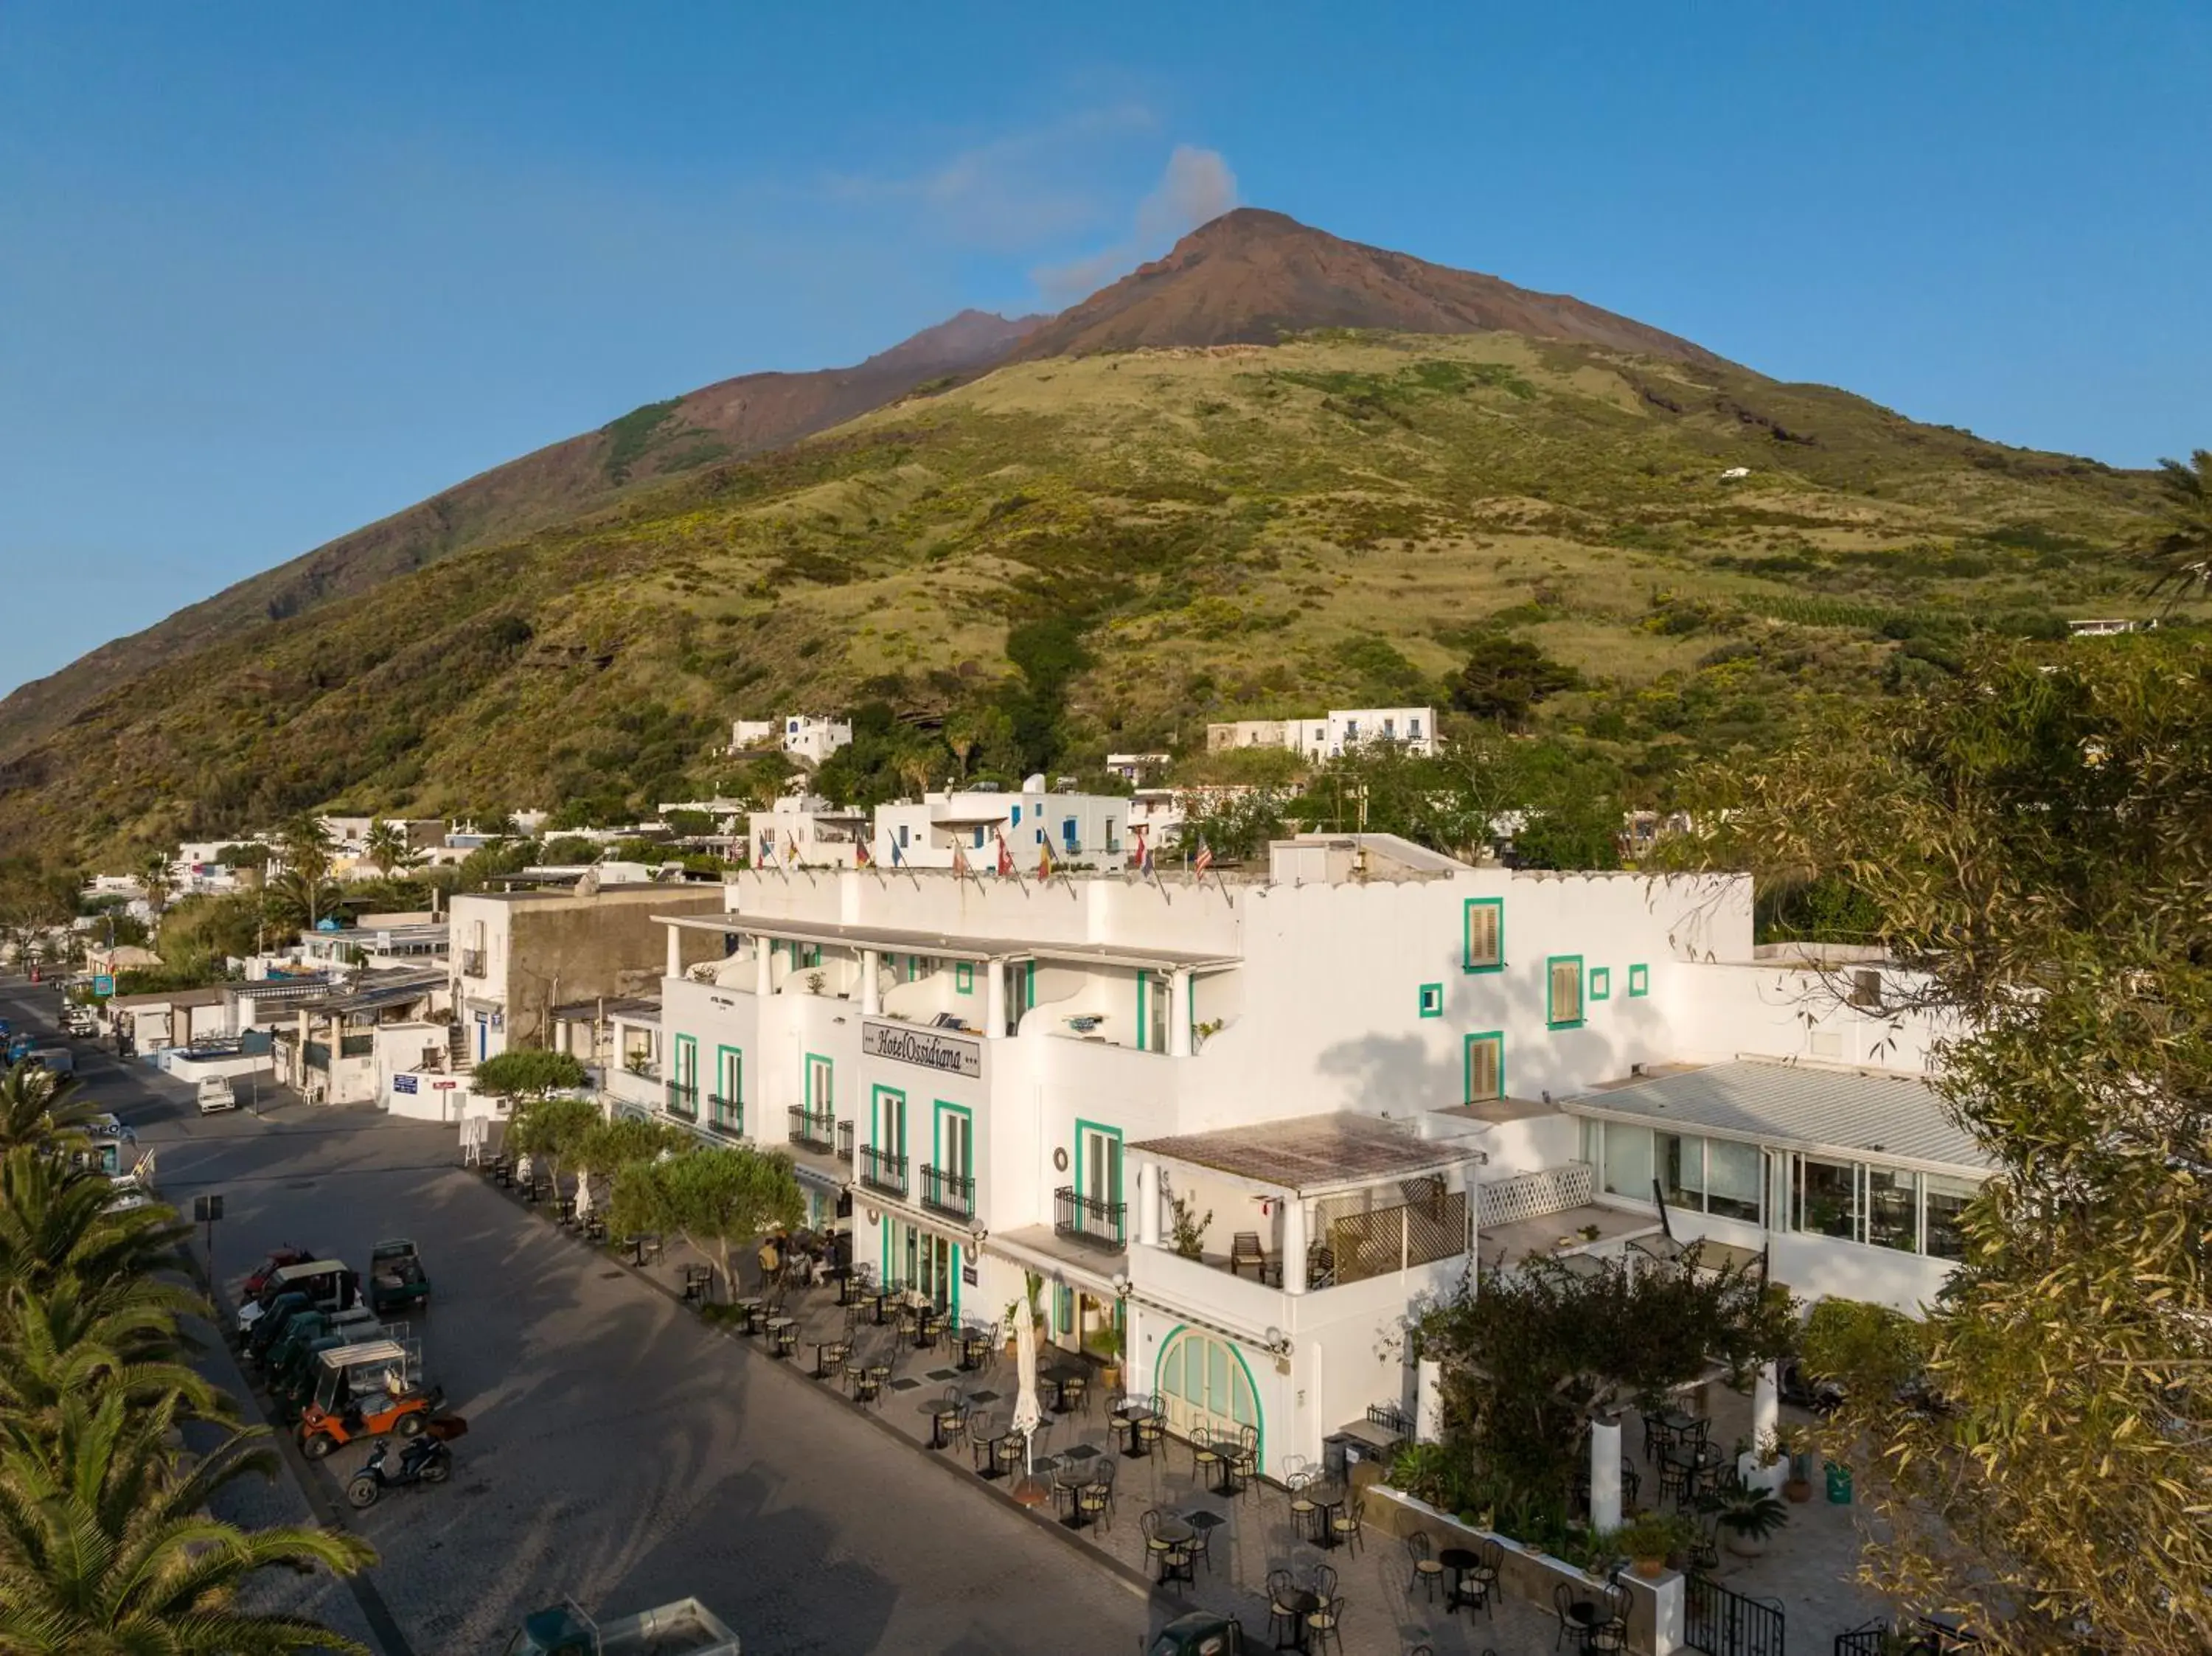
(1655, 1609)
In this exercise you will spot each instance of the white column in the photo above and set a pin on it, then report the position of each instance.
(675, 951)
(994, 999)
(1766, 1419)
(871, 994)
(764, 985)
(1148, 1205)
(1605, 1474)
(1294, 1245)
(1428, 1401)
(1179, 1014)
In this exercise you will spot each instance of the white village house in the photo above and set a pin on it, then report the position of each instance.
(1334, 733)
(1337, 1082)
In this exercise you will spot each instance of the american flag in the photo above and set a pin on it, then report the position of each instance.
(1204, 860)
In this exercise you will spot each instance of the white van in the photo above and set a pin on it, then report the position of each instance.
(216, 1094)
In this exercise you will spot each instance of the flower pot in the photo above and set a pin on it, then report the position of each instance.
(1745, 1545)
(1109, 1376)
(1650, 1569)
(1797, 1489)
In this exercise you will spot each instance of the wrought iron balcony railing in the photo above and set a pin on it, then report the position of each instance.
(1086, 1219)
(948, 1192)
(881, 1170)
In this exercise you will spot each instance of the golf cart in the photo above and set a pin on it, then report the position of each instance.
(326, 1284)
(365, 1391)
(397, 1280)
(685, 1628)
(289, 1363)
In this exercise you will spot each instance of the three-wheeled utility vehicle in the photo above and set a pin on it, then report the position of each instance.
(290, 1364)
(275, 1260)
(396, 1281)
(365, 1391)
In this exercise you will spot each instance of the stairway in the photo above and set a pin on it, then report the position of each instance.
(457, 1044)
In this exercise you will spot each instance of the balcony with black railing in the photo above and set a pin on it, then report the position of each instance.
(881, 1170)
(948, 1192)
(683, 1100)
(844, 1141)
(814, 1132)
(726, 1116)
(1086, 1219)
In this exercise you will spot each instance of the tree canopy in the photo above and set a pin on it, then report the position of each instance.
(2031, 838)
(715, 1198)
(529, 1071)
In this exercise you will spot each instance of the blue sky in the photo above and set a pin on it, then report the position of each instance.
(270, 272)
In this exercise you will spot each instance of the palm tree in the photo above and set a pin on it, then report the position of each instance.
(295, 899)
(387, 847)
(55, 1221)
(2181, 558)
(61, 1342)
(39, 1107)
(107, 1549)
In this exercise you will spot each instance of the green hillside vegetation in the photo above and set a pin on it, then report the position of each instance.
(1071, 556)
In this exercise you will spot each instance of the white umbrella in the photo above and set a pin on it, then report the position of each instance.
(1028, 1414)
(583, 1193)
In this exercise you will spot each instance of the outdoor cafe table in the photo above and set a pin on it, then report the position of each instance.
(1328, 1499)
(830, 1358)
(1227, 1450)
(1459, 1561)
(975, 1346)
(1701, 1470)
(943, 1417)
(748, 1312)
(1130, 1416)
(1176, 1532)
(783, 1334)
(1057, 1378)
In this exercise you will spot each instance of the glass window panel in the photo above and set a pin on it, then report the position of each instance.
(1682, 1170)
(1947, 1198)
(1628, 1160)
(1892, 1205)
(1827, 1198)
(1592, 1132)
(1732, 1178)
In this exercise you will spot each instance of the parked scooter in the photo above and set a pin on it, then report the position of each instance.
(425, 1459)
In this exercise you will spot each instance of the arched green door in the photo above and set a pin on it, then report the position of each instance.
(1206, 1388)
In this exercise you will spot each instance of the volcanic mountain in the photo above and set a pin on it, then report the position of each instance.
(1251, 277)
(749, 414)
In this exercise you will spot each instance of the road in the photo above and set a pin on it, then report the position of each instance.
(619, 1453)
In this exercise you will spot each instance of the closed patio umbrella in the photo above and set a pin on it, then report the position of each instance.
(1028, 1414)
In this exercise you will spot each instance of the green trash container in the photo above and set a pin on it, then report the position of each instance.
(1839, 1484)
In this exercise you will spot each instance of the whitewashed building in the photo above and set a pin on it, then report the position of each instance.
(1089, 830)
(809, 737)
(1333, 734)
(1331, 1086)
(803, 830)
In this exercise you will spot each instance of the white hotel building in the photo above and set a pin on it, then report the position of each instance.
(1372, 1064)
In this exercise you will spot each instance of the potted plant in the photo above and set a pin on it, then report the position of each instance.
(1748, 1517)
(1650, 1539)
(1798, 1485)
(1187, 1230)
(1107, 1343)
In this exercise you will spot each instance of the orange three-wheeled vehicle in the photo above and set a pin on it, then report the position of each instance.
(365, 1391)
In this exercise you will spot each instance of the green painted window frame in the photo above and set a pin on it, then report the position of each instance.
(1495, 1038)
(963, 977)
(687, 1061)
(1468, 962)
(1432, 1000)
(1083, 1130)
(1551, 1020)
(1598, 983)
(876, 1097)
(806, 1081)
(940, 1109)
(1639, 981)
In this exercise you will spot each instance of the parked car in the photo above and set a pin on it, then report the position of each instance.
(396, 1281)
(216, 1094)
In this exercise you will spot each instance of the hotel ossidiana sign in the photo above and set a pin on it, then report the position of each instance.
(931, 1049)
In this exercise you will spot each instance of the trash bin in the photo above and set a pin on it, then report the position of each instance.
(1333, 1458)
(1839, 1484)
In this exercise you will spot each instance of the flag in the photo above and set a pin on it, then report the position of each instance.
(1044, 861)
(960, 869)
(861, 858)
(791, 845)
(898, 856)
(1006, 855)
(1144, 853)
(1204, 860)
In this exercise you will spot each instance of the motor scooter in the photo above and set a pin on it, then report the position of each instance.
(425, 1459)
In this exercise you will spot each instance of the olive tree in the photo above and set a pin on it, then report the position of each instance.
(714, 1198)
(2035, 837)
